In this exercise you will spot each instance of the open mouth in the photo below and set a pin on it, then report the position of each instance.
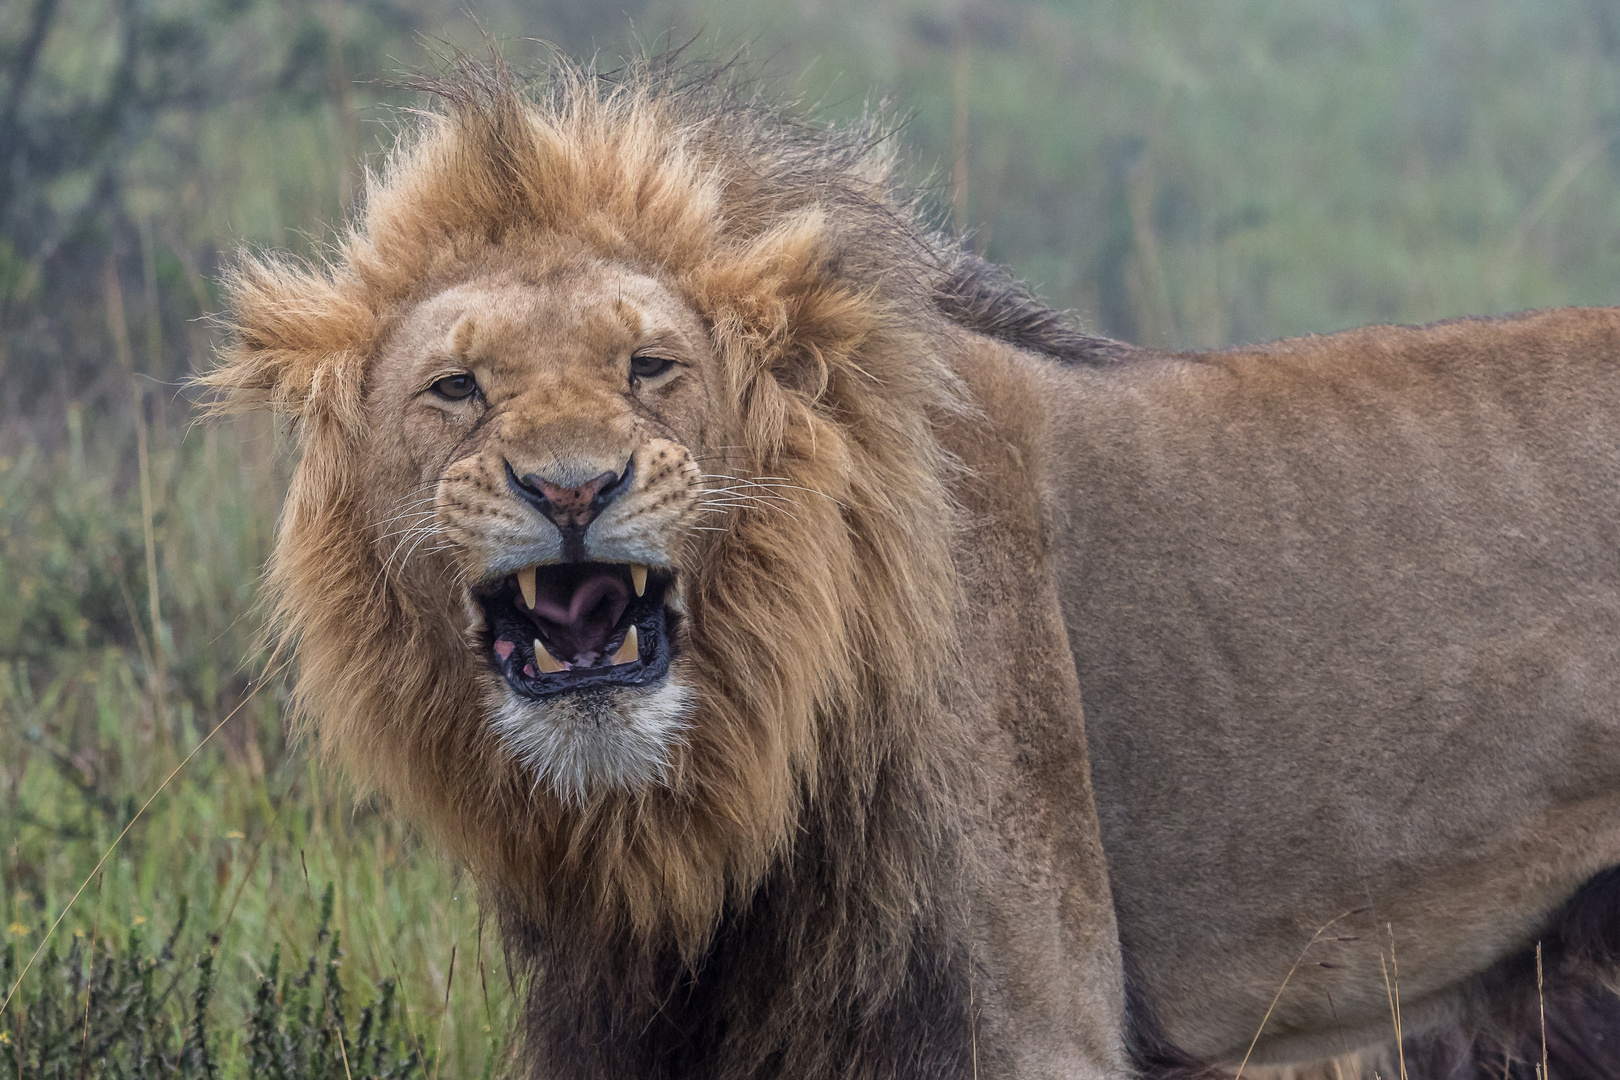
(566, 626)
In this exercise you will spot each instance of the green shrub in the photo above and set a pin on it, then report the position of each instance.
(113, 1012)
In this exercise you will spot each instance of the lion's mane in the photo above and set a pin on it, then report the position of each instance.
(821, 633)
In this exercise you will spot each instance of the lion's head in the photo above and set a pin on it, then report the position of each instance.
(619, 533)
(550, 430)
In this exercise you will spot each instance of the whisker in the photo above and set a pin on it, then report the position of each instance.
(426, 535)
(762, 503)
(728, 476)
(415, 506)
(758, 480)
(425, 531)
(726, 507)
(768, 487)
(750, 486)
(407, 502)
(778, 487)
(747, 488)
(405, 531)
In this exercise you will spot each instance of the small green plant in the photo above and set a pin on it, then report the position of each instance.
(299, 1027)
(117, 1012)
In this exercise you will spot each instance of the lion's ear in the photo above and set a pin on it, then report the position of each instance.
(781, 309)
(300, 340)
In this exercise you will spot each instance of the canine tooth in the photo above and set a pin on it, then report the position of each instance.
(545, 661)
(638, 577)
(526, 583)
(629, 652)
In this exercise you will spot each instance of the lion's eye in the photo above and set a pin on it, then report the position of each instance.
(649, 367)
(456, 387)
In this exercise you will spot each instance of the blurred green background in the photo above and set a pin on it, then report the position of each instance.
(1183, 173)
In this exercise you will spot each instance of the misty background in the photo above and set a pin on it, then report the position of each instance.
(1178, 173)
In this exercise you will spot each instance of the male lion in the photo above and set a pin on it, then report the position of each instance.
(716, 562)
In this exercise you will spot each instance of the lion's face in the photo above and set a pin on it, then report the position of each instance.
(620, 524)
(550, 449)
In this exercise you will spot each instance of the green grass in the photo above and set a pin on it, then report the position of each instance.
(150, 1014)
(250, 833)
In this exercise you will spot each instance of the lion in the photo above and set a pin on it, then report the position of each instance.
(831, 663)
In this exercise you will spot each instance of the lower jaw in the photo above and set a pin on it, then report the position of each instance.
(651, 667)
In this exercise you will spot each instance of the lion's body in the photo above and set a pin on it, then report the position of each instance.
(826, 810)
(1346, 613)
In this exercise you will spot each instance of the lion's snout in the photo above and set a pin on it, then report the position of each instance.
(570, 508)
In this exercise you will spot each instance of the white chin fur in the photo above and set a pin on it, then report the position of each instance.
(591, 741)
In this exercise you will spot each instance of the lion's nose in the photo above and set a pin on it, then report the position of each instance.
(571, 509)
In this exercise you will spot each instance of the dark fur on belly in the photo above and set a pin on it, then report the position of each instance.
(1580, 955)
(1499, 1035)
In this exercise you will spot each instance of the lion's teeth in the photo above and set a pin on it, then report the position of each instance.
(526, 583)
(629, 652)
(638, 578)
(545, 661)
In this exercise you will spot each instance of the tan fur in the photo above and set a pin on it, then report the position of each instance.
(776, 633)
(1346, 612)
(815, 745)
(1342, 611)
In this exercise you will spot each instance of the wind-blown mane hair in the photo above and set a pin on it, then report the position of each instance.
(821, 633)
(985, 298)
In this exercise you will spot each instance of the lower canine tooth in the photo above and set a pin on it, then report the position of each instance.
(638, 578)
(545, 661)
(526, 583)
(629, 652)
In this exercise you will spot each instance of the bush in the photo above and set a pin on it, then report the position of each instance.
(112, 1012)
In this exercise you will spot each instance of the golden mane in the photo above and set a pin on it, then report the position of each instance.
(821, 633)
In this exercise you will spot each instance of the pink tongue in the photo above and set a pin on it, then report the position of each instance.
(584, 614)
(587, 595)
